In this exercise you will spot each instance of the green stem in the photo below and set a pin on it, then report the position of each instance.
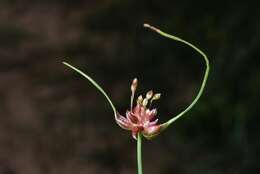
(139, 153)
(169, 122)
(93, 82)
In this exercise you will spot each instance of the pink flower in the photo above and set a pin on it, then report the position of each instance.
(140, 119)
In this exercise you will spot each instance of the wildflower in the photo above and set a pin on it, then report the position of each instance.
(141, 118)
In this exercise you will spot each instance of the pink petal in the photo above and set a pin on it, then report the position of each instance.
(142, 115)
(123, 122)
(153, 113)
(136, 109)
(153, 123)
(131, 117)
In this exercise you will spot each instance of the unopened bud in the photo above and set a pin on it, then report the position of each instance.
(149, 94)
(145, 102)
(156, 96)
(140, 100)
(134, 84)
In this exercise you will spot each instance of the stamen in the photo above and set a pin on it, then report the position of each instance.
(149, 94)
(134, 85)
(156, 96)
(140, 100)
(133, 89)
(145, 102)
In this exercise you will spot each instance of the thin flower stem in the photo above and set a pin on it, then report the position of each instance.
(131, 102)
(169, 122)
(139, 153)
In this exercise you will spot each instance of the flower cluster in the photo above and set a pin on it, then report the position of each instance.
(141, 119)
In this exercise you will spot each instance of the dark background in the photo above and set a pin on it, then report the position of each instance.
(54, 122)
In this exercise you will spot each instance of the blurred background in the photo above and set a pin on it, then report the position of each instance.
(53, 121)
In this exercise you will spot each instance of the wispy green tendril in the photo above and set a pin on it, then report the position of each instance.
(173, 119)
(93, 83)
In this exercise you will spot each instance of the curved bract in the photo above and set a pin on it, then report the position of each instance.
(173, 119)
(95, 84)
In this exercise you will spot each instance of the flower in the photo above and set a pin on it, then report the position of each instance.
(140, 119)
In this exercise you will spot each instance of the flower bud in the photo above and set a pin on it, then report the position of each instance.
(140, 100)
(149, 94)
(145, 102)
(134, 84)
(156, 96)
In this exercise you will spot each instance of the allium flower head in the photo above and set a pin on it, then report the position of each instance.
(141, 118)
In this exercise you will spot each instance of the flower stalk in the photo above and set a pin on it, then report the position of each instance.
(139, 154)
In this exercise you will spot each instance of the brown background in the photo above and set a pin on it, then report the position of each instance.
(53, 121)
